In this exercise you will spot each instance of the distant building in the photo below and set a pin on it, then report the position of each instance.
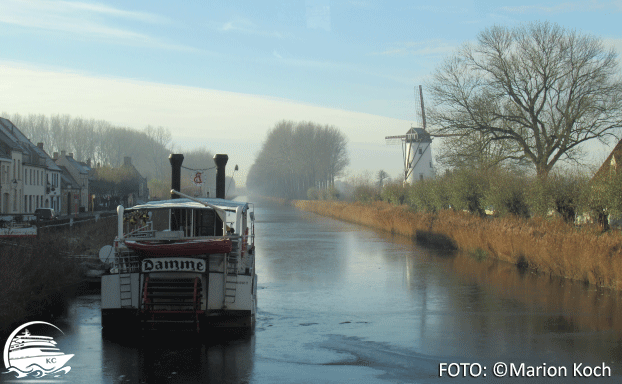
(29, 178)
(71, 193)
(118, 186)
(79, 172)
(611, 164)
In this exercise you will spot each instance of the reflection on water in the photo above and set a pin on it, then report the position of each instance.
(182, 359)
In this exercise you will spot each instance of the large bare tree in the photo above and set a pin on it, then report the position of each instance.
(537, 88)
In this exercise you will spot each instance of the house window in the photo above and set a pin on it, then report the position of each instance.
(421, 151)
(421, 176)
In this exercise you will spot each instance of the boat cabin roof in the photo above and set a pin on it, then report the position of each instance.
(226, 205)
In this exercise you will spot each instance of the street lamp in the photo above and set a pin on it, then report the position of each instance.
(14, 184)
(234, 169)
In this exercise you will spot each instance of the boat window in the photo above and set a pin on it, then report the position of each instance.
(207, 223)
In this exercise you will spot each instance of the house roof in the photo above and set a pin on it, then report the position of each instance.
(613, 160)
(68, 182)
(77, 165)
(418, 134)
(16, 140)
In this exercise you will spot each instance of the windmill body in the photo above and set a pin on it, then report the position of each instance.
(416, 149)
(417, 155)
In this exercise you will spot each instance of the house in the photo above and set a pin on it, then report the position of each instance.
(605, 173)
(79, 172)
(29, 179)
(611, 164)
(70, 199)
(123, 185)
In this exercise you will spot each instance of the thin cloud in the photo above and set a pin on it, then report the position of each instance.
(246, 26)
(106, 10)
(83, 20)
(421, 48)
(565, 7)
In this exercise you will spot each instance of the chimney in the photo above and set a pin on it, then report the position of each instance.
(127, 161)
(221, 162)
(40, 145)
(88, 163)
(55, 156)
(63, 153)
(71, 154)
(176, 160)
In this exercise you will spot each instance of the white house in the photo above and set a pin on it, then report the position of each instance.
(29, 178)
(80, 173)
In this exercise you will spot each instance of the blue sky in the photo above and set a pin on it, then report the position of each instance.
(220, 74)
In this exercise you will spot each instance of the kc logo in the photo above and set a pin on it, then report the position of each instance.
(34, 355)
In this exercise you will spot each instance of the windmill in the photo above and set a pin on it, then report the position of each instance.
(416, 149)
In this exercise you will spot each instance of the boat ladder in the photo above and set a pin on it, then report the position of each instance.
(230, 276)
(172, 301)
(125, 288)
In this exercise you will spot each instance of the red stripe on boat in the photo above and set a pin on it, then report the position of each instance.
(180, 248)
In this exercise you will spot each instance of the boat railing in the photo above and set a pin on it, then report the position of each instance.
(126, 261)
(143, 231)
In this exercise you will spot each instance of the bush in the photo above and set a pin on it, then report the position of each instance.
(467, 191)
(365, 194)
(394, 193)
(427, 196)
(313, 193)
(329, 193)
(506, 194)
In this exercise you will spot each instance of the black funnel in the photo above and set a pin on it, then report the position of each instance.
(221, 162)
(176, 161)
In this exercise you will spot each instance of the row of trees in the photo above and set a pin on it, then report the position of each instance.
(296, 157)
(500, 192)
(100, 141)
(107, 145)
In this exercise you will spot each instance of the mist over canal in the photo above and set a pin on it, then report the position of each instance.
(341, 303)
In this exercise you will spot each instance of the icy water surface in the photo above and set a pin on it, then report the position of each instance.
(339, 303)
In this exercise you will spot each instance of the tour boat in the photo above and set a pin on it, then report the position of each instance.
(183, 263)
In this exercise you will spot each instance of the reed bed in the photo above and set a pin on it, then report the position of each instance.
(545, 245)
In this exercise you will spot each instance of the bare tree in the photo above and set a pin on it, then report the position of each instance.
(542, 89)
(478, 150)
(158, 147)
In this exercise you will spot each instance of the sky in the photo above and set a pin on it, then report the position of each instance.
(220, 75)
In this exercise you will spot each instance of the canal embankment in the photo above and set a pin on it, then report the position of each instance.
(39, 274)
(545, 245)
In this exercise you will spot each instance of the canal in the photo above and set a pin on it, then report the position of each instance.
(340, 303)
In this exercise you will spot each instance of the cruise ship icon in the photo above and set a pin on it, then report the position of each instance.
(37, 354)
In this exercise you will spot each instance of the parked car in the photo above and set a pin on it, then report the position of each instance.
(45, 214)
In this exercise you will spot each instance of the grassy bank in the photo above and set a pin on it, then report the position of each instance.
(37, 275)
(549, 246)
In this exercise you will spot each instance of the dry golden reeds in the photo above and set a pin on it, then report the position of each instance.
(549, 245)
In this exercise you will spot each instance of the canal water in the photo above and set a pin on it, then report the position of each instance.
(340, 303)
